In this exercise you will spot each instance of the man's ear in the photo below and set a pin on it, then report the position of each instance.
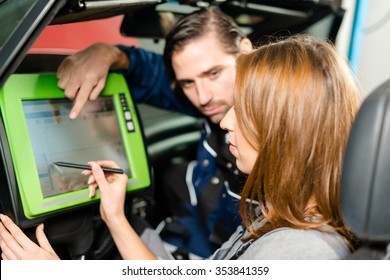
(245, 46)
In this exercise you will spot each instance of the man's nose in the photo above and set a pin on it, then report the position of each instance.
(204, 94)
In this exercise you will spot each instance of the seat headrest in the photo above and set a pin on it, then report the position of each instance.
(365, 188)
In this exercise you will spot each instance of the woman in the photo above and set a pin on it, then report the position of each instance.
(294, 104)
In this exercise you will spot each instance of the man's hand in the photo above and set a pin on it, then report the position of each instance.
(15, 245)
(83, 75)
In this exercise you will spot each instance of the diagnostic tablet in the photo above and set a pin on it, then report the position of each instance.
(39, 132)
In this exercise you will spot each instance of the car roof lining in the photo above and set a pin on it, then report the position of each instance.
(98, 9)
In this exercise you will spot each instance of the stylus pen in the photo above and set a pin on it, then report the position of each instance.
(87, 167)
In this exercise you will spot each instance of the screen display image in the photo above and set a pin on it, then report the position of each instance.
(94, 135)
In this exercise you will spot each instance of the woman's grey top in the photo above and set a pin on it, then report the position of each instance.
(284, 244)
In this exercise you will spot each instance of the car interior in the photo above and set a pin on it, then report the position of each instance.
(366, 180)
(169, 138)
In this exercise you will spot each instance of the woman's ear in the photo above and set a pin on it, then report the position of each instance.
(245, 46)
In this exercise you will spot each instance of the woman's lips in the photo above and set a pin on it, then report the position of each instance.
(232, 148)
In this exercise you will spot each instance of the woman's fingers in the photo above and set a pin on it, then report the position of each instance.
(42, 239)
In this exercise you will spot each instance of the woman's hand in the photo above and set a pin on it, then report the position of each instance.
(112, 188)
(15, 245)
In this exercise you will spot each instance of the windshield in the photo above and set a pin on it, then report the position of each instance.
(21, 21)
(11, 14)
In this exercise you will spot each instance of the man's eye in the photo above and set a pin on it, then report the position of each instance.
(186, 84)
(214, 74)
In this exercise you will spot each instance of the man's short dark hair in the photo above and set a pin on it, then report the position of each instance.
(198, 23)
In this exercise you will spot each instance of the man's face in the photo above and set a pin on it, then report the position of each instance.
(206, 74)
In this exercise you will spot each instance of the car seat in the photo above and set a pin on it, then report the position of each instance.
(365, 189)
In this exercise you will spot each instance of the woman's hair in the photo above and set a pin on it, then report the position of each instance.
(295, 101)
(199, 23)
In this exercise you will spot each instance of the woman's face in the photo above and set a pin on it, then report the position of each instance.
(239, 146)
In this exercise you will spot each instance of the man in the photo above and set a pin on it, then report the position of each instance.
(195, 75)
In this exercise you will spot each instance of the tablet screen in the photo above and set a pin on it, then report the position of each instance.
(93, 135)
